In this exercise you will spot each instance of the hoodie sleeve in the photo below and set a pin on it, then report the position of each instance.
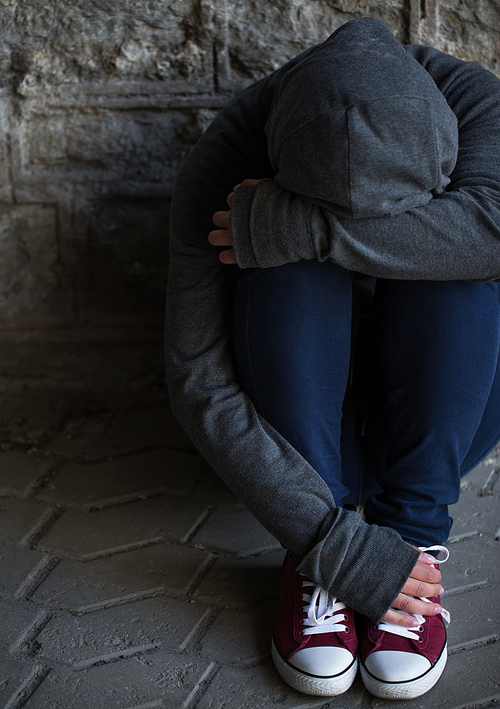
(455, 236)
(364, 565)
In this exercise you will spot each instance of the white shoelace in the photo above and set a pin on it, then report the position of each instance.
(322, 611)
(412, 633)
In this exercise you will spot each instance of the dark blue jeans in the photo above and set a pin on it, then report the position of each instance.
(389, 389)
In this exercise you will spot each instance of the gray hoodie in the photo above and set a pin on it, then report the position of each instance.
(360, 128)
(397, 149)
(375, 199)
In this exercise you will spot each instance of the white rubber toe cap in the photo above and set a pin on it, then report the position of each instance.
(322, 661)
(394, 666)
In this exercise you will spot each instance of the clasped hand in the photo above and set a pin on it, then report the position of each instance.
(423, 582)
(223, 236)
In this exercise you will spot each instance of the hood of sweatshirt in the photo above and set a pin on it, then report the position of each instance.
(359, 127)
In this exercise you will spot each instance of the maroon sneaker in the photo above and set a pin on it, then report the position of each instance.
(314, 641)
(403, 663)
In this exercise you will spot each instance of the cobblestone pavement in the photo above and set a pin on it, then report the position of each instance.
(131, 577)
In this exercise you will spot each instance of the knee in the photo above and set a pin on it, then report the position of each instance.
(448, 304)
(453, 293)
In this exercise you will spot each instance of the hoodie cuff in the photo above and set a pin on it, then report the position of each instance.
(372, 572)
(241, 207)
(271, 226)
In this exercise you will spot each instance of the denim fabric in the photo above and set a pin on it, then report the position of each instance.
(390, 406)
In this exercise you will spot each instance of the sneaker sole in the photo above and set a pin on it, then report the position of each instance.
(311, 684)
(405, 690)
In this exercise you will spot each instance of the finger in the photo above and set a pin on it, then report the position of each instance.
(425, 572)
(227, 256)
(409, 604)
(229, 199)
(405, 620)
(222, 219)
(414, 587)
(220, 237)
(426, 558)
(251, 182)
(402, 619)
(247, 182)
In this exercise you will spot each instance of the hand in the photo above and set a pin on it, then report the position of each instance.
(224, 236)
(422, 582)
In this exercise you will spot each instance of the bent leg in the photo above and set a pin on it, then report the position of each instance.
(488, 434)
(439, 345)
(292, 328)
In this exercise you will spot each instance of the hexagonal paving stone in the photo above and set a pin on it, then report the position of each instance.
(87, 639)
(75, 585)
(235, 532)
(19, 472)
(92, 485)
(238, 637)
(105, 435)
(19, 517)
(17, 565)
(17, 617)
(12, 676)
(160, 679)
(79, 533)
(240, 583)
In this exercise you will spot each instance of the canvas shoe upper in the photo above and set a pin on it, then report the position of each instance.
(314, 640)
(403, 663)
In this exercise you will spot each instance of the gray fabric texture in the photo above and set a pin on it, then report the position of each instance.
(454, 235)
(359, 127)
(364, 565)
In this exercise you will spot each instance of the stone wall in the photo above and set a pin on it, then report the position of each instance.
(100, 102)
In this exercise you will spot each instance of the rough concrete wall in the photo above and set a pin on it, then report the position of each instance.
(468, 29)
(100, 101)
